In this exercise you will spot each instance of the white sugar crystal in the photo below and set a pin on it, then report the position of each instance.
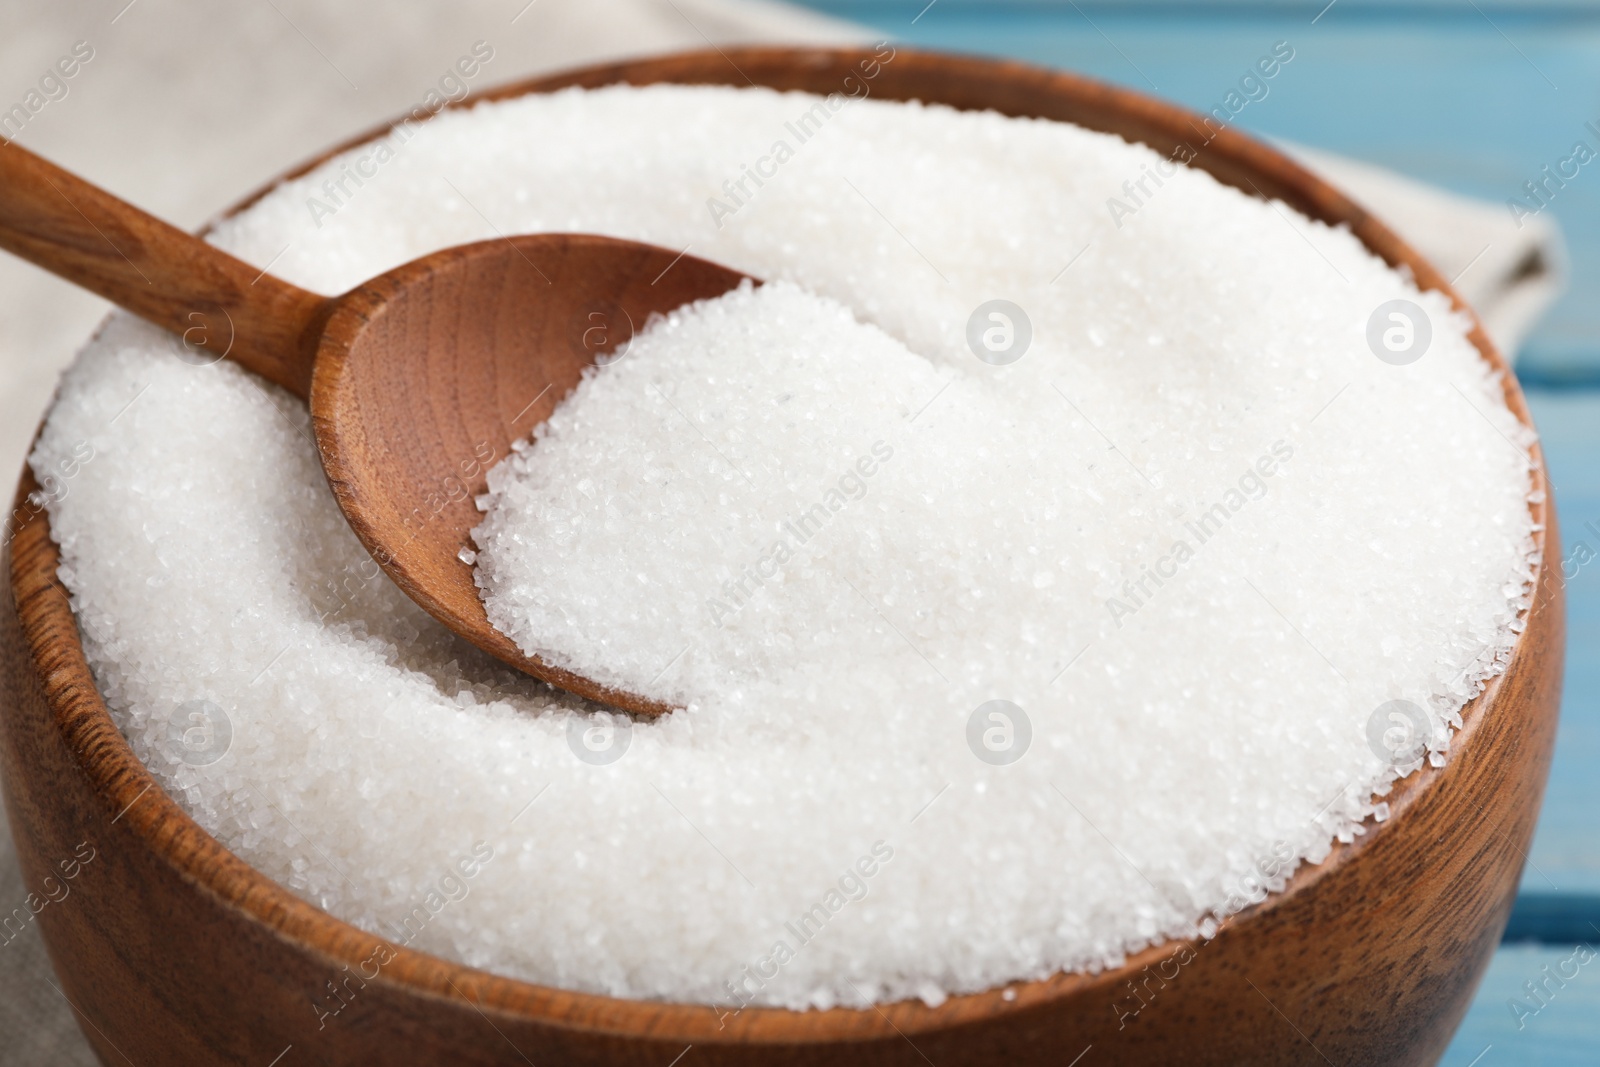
(1192, 737)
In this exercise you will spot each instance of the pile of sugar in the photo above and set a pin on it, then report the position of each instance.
(821, 790)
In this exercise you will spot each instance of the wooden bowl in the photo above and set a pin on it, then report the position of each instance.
(174, 950)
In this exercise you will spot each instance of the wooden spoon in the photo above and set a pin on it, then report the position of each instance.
(418, 380)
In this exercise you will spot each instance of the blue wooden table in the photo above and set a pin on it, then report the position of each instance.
(1476, 96)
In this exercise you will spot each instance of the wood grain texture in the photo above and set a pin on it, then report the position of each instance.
(220, 306)
(178, 952)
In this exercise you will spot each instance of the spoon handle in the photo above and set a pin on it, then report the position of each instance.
(211, 300)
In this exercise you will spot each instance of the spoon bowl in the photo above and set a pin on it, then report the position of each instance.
(418, 380)
(426, 375)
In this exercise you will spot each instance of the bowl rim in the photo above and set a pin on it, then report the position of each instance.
(122, 782)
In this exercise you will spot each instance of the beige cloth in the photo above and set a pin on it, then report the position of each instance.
(185, 107)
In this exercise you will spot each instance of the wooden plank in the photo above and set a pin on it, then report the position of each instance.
(1565, 856)
(1554, 918)
(1560, 1027)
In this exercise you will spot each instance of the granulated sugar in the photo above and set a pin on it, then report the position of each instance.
(839, 814)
